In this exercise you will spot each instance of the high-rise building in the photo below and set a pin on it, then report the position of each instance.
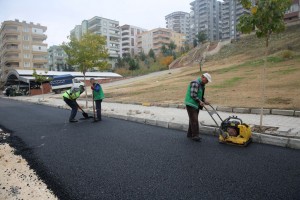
(156, 38)
(129, 35)
(179, 22)
(22, 45)
(205, 17)
(232, 10)
(56, 58)
(106, 27)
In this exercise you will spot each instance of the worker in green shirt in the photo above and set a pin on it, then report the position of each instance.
(98, 96)
(194, 101)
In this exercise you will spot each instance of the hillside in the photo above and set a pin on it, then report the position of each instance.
(236, 72)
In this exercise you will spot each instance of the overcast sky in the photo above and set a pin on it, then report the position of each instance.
(61, 16)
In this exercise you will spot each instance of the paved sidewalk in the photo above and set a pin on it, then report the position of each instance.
(285, 130)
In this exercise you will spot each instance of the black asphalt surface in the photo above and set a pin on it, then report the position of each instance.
(117, 159)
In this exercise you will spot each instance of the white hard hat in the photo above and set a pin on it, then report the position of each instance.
(208, 76)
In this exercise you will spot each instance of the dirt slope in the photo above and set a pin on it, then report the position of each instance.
(236, 71)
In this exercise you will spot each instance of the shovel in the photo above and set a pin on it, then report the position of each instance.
(84, 114)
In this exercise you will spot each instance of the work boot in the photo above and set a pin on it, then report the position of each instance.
(73, 120)
(196, 138)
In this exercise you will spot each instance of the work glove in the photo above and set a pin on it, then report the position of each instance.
(201, 103)
(92, 87)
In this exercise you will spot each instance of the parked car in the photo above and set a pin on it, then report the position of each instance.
(9, 91)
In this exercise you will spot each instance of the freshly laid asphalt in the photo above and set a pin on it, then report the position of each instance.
(117, 159)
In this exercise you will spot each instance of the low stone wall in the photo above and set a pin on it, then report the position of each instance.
(46, 87)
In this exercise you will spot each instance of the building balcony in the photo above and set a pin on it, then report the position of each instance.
(127, 37)
(40, 60)
(11, 40)
(126, 47)
(6, 32)
(114, 47)
(37, 42)
(116, 28)
(126, 43)
(124, 32)
(9, 59)
(113, 54)
(155, 38)
(14, 64)
(39, 36)
(94, 21)
(12, 49)
(114, 42)
(116, 35)
(95, 27)
(39, 66)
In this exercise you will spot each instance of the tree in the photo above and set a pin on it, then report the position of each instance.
(169, 49)
(172, 46)
(164, 50)
(151, 54)
(166, 61)
(266, 18)
(195, 43)
(120, 62)
(133, 64)
(88, 52)
(201, 37)
(39, 78)
(142, 56)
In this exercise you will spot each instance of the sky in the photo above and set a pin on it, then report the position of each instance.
(61, 16)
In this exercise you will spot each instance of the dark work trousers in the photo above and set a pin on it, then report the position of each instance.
(98, 109)
(193, 121)
(73, 105)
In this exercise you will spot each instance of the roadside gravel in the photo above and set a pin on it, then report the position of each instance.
(17, 180)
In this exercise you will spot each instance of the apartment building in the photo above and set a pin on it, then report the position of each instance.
(56, 58)
(22, 45)
(156, 38)
(106, 27)
(293, 14)
(179, 22)
(232, 10)
(129, 35)
(205, 17)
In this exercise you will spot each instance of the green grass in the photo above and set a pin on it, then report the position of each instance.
(251, 63)
(287, 71)
(228, 83)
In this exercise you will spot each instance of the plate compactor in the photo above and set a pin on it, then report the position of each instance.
(232, 130)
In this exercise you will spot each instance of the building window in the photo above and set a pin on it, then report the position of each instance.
(26, 37)
(40, 48)
(26, 55)
(26, 64)
(26, 46)
(26, 29)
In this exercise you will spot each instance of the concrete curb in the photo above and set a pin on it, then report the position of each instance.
(293, 113)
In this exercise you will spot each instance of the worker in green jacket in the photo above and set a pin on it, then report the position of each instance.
(70, 97)
(194, 101)
(98, 96)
